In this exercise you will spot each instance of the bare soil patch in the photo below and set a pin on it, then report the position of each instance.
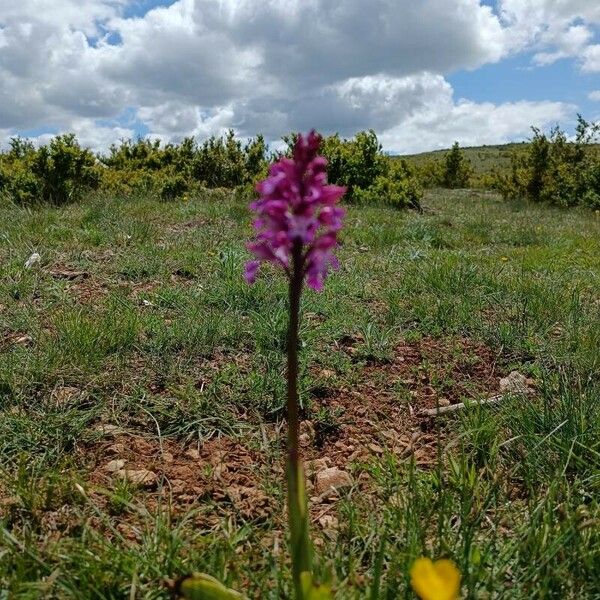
(229, 477)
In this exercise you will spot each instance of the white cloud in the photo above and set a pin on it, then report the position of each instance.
(410, 114)
(198, 67)
(591, 59)
(176, 120)
(442, 121)
(554, 29)
(594, 96)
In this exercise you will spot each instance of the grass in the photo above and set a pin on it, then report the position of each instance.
(155, 332)
(485, 159)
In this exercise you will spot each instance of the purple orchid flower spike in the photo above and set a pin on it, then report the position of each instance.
(297, 211)
(297, 222)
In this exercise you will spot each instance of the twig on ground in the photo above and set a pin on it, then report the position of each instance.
(440, 410)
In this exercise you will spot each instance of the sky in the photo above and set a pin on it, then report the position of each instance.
(421, 73)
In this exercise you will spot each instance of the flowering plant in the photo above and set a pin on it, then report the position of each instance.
(297, 223)
(297, 216)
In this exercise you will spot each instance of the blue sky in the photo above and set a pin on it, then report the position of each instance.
(517, 78)
(421, 74)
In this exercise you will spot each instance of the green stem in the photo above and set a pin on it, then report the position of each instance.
(296, 498)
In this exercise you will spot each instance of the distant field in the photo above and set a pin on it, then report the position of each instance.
(483, 158)
(142, 394)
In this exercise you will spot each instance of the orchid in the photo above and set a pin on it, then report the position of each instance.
(297, 222)
(297, 216)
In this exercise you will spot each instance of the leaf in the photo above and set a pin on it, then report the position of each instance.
(200, 586)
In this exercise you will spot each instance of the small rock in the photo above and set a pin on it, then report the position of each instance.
(34, 259)
(178, 486)
(375, 448)
(304, 439)
(117, 448)
(316, 465)
(62, 395)
(329, 524)
(114, 465)
(444, 402)
(182, 472)
(514, 383)
(193, 453)
(142, 477)
(108, 429)
(308, 428)
(332, 480)
(168, 457)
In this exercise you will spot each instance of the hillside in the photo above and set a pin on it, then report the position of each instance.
(483, 158)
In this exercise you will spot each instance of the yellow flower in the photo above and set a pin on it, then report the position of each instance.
(504, 258)
(435, 581)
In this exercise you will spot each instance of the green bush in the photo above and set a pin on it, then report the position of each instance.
(18, 184)
(62, 171)
(555, 170)
(370, 175)
(355, 163)
(457, 170)
(453, 170)
(591, 184)
(65, 171)
(431, 173)
(174, 187)
(398, 187)
(169, 171)
(58, 173)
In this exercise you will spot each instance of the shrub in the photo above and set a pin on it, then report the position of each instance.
(58, 173)
(17, 182)
(556, 170)
(591, 184)
(130, 182)
(397, 187)
(431, 173)
(169, 171)
(369, 175)
(457, 170)
(174, 187)
(454, 170)
(355, 163)
(64, 170)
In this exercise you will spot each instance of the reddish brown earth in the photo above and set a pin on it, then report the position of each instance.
(380, 415)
